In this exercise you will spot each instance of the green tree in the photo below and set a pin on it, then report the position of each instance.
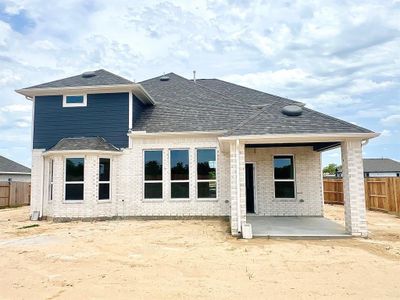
(330, 169)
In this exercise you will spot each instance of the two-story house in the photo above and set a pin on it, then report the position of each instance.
(104, 147)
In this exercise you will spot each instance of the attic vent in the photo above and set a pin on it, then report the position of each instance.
(88, 74)
(292, 110)
(164, 78)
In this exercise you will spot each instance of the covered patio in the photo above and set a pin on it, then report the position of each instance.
(276, 184)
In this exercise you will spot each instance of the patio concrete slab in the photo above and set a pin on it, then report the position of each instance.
(311, 227)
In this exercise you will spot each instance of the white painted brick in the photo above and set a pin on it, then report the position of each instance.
(353, 188)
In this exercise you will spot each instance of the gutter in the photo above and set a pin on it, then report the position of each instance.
(138, 90)
(311, 137)
(64, 152)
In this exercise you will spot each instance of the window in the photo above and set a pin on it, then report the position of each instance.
(74, 100)
(104, 179)
(284, 179)
(206, 173)
(74, 179)
(51, 180)
(153, 174)
(179, 174)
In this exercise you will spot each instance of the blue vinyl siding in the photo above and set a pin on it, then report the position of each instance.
(138, 108)
(105, 115)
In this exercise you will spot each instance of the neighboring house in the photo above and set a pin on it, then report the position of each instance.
(13, 171)
(104, 146)
(378, 167)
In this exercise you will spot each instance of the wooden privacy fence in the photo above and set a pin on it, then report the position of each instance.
(381, 194)
(14, 194)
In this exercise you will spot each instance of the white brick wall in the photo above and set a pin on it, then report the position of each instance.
(133, 171)
(308, 182)
(353, 188)
(36, 180)
(127, 183)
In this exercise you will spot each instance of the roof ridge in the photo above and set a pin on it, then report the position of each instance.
(221, 94)
(116, 75)
(258, 91)
(252, 117)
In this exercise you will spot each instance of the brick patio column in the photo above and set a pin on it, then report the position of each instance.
(37, 181)
(237, 165)
(353, 188)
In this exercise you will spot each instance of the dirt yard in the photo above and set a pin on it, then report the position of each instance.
(191, 259)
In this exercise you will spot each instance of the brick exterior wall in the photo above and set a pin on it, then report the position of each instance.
(36, 180)
(353, 188)
(127, 183)
(309, 196)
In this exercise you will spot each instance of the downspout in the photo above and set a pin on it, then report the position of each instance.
(238, 185)
(364, 143)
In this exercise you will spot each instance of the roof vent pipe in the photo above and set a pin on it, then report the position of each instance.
(194, 76)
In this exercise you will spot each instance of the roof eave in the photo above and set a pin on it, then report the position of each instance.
(81, 151)
(32, 92)
(311, 137)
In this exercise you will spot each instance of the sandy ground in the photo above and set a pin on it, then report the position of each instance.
(191, 259)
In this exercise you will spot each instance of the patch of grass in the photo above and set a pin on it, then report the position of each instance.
(28, 226)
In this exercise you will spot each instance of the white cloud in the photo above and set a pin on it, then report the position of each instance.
(341, 58)
(392, 120)
(386, 133)
(17, 108)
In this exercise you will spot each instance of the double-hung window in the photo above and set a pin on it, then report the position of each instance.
(74, 100)
(51, 178)
(104, 178)
(206, 174)
(284, 177)
(179, 174)
(74, 178)
(153, 174)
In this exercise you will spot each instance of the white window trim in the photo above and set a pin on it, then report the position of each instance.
(72, 182)
(207, 180)
(178, 181)
(105, 182)
(284, 180)
(152, 181)
(51, 180)
(84, 103)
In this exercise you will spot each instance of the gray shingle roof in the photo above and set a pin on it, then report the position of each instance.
(381, 165)
(8, 165)
(211, 104)
(102, 77)
(83, 143)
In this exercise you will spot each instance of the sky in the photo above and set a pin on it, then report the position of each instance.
(339, 57)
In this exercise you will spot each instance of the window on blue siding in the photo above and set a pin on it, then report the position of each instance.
(74, 100)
